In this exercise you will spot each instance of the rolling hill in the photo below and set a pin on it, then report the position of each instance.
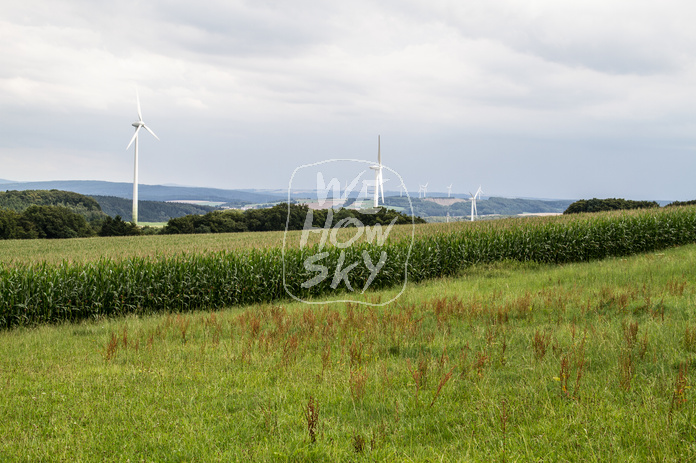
(148, 192)
(148, 211)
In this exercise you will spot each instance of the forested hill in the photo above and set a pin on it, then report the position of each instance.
(19, 201)
(98, 207)
(148, 211)
(150, 192)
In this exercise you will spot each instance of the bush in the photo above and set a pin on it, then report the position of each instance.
(610, 204)
(117, 227)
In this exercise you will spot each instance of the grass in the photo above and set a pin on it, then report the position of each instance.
(506, 362)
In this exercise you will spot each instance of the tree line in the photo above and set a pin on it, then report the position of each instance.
(40, 221)
(277, 218)
(609, 204)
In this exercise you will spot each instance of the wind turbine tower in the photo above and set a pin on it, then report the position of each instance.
(139, 124)
(449, 191)
(379, 185)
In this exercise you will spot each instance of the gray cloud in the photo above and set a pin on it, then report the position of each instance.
(535, 99)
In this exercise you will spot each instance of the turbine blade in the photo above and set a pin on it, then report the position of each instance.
(153, 133)
(135, 135)
(379, 151)
(137, 99)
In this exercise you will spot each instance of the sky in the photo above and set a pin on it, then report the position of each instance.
(540, 98)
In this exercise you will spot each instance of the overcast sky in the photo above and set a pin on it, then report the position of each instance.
(546, 98)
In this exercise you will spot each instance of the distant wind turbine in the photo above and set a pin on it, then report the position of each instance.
(379, 184)
(422, 189)
(474, 197)
(449, 191)
(139, 124)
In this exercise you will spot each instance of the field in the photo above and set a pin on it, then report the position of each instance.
(537, 339)
(506, 362)
(81, 250)
(257, 272)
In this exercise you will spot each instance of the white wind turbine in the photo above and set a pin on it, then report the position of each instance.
(449, 191)
(139, 124)
(474, 197)
(379, 184)
(422, 189)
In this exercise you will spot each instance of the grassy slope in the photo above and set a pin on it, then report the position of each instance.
(234, 385)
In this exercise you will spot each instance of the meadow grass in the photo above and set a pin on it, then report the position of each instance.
(506, 362)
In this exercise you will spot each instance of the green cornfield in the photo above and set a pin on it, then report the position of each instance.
(45, 293)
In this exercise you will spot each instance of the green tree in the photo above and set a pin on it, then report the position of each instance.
(117, 227)
(57, 222)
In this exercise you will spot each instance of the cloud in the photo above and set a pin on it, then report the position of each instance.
(290, 82)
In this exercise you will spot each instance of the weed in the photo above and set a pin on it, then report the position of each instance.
(630, 332)
(355, 351)
(503, 348)
(312, 416)
(480, 363)
(254, 325)
(658, 310)
(540, 344)
(676, 287)
(680, 386)
(111, 347)
(419, 374)
(289, 350)
(325, 358)
(563, 375)
(442, 383)
(626, 370)
(357, 382)
(444, 358)
(183, 324)
(643, 346)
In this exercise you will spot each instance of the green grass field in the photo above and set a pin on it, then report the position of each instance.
(506, 362)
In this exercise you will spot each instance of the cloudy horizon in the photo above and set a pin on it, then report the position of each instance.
(527, 99)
